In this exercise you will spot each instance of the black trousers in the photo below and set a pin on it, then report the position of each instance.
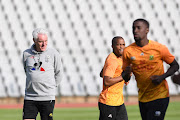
(154, 110)
(112, 112)
(45, 108)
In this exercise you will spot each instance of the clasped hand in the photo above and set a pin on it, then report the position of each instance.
(157, 79)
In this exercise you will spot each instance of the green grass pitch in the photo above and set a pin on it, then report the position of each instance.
(173, 113)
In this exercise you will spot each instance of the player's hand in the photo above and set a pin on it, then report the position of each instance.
(126, 83)
(126, 74)
(157, 79)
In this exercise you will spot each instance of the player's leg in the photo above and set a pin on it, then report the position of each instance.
(30, 110)
(143, 110)
(121, 113)
(46, 109)
(157, 109)
(106, 112)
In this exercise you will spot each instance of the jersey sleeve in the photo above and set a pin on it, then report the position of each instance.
(126, 59)
(111, 66)
(166, 55)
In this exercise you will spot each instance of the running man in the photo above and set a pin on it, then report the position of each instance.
(146, 57)
(111, 102)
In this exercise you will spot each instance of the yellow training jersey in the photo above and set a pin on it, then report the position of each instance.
(112, 95)
(148, 61)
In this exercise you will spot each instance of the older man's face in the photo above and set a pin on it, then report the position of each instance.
(41, 42)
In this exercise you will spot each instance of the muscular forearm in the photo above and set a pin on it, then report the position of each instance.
(156, 79)
(173, 68)
(108, 81)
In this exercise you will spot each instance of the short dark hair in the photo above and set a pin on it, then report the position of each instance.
(114, 40)
(142, 20)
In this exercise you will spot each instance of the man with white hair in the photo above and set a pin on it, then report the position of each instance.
(43, 68)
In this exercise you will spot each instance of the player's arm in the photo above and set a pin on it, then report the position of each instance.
(174, 66)
(109, 71)
(108, 81)
(169, 59)
(126, 74)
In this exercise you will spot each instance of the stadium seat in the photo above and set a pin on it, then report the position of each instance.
(132, 87)
(11, 87)
(90, 83)
(65, 87)
(77, 84)
(2, 88)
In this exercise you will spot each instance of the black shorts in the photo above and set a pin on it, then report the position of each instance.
(31, 109)
(112, 112)
(154, 110)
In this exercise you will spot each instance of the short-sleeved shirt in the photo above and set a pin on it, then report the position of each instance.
(112, 95)
(148, 61)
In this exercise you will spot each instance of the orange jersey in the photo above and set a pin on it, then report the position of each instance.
(112, 95)
(148, 61)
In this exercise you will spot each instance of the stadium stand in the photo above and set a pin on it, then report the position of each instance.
(81, 30)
